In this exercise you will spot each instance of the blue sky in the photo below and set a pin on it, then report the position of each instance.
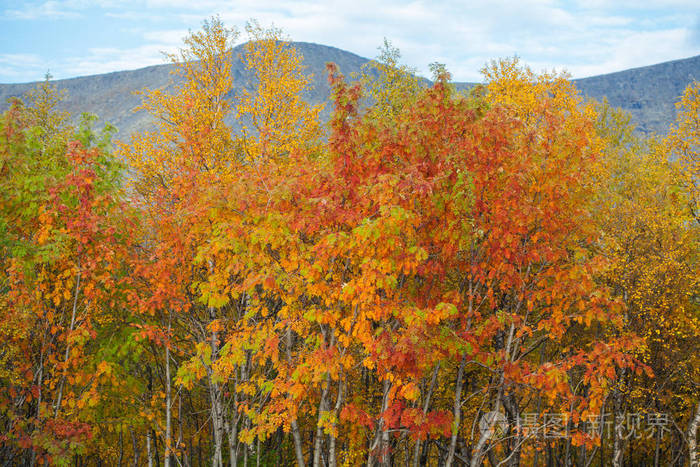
(586, 37)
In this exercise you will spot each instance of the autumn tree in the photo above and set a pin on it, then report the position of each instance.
(197, 170)
(408, 285)
(421, 231)
(64, 244)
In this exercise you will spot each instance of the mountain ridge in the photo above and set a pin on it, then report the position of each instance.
(649, 93)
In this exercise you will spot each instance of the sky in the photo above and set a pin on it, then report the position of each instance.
(71, 38)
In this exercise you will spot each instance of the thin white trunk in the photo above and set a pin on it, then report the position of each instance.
(381, 438)
(57, 408)
(185, 459)
(618, 446)
(217, 425)
(232, 434)
(332, 461)
(257, 453)
(134, 447)
(426, 406)
(456, 413)
(149, 451)
(217, 412)
(40, 382)
(296, 434)
(386, 458)
(692, 437)
(168, 399)
(322, 407)
(486, 434)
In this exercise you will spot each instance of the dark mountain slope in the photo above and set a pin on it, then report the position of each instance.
(112, 96)
(648, 93)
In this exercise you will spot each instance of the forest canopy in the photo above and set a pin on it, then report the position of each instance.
(506, 276)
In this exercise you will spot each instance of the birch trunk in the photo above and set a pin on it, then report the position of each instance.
(149, 451)
(486, 434)
(134, 447)
(67, 354)
(168, 399)
(617, 443)
(332, 461)
(426, 406)
(216, 413)
(692, 437)
(232, 432)
(381, 438)
(322, 407)
(296, 434)
(457, 413)
(386, 457)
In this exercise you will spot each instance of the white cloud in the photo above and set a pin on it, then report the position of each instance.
(638, 49)
(588, 37)
(15, 66)
(56, 9)
(694, 36)
(105, 60)
(172, 37)
(49, 9)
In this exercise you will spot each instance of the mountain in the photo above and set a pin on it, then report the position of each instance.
(113, 96)
(648, 93)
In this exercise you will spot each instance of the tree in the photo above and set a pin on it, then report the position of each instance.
(195, 170)
(64, 246)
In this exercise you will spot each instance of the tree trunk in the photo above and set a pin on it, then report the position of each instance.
(426, 406)
(486, 434)
(510, 403)
(134, 447)
(298, 452)
(657, 448)
(216, 409)
(332, 461)
(296, 435)
(692, 437)
(381, 438)
(322, 407)
(185, 456)
(232, 433)
(217, 428)
(456, 413)
(618, 446)
(385, 446)
(168, 399)
(40, 383)
(121, 447)
(618, 428)
(257, 453)
(217, 415)
(57, 408)
(149, 451)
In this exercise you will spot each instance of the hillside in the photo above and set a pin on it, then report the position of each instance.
(113, 96)
(648, 93)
